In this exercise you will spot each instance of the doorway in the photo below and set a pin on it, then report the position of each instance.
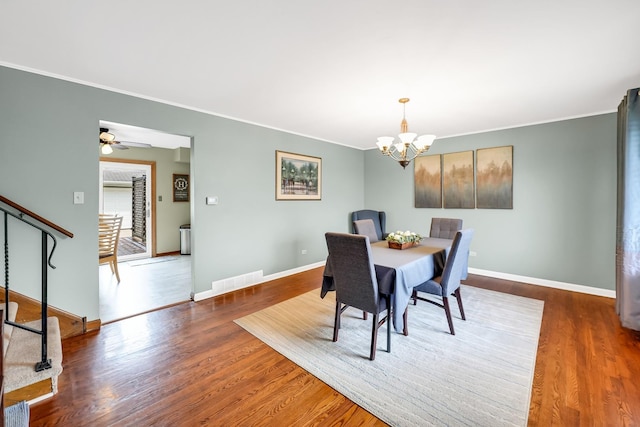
(125, 189)
(135, 181)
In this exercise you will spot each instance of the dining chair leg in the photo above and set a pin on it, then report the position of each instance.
(389, 323)
(405, 326)
(447, 310)
(114, 269)
(459, 298)
(389, 326)
(374, 337)
(336, 322)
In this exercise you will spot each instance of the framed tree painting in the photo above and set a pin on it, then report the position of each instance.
(494, 178)
(427, 178)
(298, 177)
(457, 180)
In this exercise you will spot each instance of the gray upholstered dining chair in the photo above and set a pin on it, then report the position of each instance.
(379, 219)
(445, 228)
(366, 227)
(449, 282)
(354, 277)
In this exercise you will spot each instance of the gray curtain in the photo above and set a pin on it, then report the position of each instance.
(628, 213)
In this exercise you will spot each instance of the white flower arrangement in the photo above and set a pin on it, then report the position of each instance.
(404, 237)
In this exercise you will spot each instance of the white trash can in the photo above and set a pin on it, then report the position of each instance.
(185, 239)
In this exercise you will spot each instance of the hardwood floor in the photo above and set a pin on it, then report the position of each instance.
(145, 284)
(191, 365)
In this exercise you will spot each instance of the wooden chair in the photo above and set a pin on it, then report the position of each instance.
(108, 236)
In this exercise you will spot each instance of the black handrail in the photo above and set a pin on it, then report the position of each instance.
(45, 362)
(35, 216)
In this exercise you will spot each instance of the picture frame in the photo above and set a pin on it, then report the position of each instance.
(457, 180)
(494, 177)
(298, 176)
(427, 179)
(180, 184)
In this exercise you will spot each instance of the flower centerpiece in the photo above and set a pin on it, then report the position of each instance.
(403, 239)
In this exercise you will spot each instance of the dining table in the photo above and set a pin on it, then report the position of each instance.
(398, 271)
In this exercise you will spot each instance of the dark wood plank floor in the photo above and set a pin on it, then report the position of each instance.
(191, 365)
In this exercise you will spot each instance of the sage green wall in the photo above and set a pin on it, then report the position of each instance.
(48, 131)
(170, 215)
(562, 225)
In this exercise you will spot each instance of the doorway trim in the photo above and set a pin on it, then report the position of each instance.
(152, 164)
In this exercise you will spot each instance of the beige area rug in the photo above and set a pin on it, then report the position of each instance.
(482, 376)
(24, 352)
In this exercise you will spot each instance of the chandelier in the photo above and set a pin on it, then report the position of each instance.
(409, 147)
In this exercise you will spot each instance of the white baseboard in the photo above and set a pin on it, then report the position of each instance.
(230, 284)
(292, 271)
(251, 279)
(40, 398)
(548, 283)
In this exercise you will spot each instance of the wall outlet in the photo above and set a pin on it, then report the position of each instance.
(303, 252)
(472, 253)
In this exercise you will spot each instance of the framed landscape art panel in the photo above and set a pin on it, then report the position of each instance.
(298, 177)
(457, 180)
(494, 178)
(427, 178)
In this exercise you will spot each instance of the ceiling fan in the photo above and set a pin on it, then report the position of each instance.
(108, 142)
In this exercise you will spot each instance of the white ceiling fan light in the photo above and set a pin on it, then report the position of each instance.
(106, 148)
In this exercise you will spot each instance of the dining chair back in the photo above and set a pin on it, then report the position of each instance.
(449, 282)
(108, 235)
(445, 228)
(366, 227)
(356, 284)
(379, 219)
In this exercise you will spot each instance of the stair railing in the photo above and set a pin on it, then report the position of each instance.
(46, 255)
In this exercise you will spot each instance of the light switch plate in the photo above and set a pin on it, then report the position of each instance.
(212, 200)
(78, 198)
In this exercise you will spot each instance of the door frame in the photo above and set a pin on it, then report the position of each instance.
(152, 216)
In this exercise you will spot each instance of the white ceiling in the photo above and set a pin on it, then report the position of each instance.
(334, 69)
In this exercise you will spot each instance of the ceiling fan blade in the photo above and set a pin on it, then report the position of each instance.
(119, 146)
(135, 144)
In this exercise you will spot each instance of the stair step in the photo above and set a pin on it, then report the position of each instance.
(24, 352)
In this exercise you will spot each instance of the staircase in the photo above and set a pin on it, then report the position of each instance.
(21, 381)
(32, 351)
